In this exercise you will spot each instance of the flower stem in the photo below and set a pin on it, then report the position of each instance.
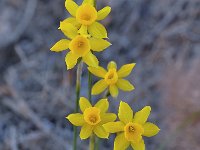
(89, 86)
(78, 87)
(92, 142)
(106, 94)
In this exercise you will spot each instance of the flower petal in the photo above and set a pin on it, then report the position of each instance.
(125, 70)
(86, 131)
(91, 2)
(83, 31)
(103, 13)
(138, 146)
(61, 45)
(113, 90)
(98, 44)
(107, 117)
(97, 30)
(150, 129)
(71, 60)
(84, 103)
(72, 21)
(101, 132)
(76, 119)
(68, 29)
(71, 6)
(125, 85)
(99, 87)
(142, 115)
(112, 65)
(113, 127)
(102, 105)
(125, 113)
(99, 71)
(120, 142)
(91, 60)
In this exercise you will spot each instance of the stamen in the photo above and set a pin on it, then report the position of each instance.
(86, 17)
(93, 119)
(111, 75)
(80, 43)
(131, 129)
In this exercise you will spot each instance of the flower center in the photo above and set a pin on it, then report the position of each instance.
(86, 14)
(92, 115)
(131, 129)
(79, 45)
(133, 132)
(111, 77)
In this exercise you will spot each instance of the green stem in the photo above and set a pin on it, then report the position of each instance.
(78, 87)
(89, 86)
(106, 94)
(92, 142)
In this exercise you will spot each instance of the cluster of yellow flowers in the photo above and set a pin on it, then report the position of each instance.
(86, 35)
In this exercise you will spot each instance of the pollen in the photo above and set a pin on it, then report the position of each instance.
(131, 129)
(86, 14)
(79, 45)
(92, 115)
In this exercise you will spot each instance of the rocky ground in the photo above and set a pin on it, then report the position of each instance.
(36, 91)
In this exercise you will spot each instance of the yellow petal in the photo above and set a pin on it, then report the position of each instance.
(125, 70)
(150, 129)
(84, 103)
(103, 13)
(138, 146)
(91, 2)
(142, 115)
(99, 71)
(69, 30)
(99, 87)
(102, 105)
(91, 60)
(125, 85)
(120, 142)
(101, 132)
(76, 119)
(113, 90)
(108, 117)
(72, 21)
(83, 31)
(98, 44)
(125, 113)
(97, 30)
(61, 45)
(113, 127)
(112, 65)
(71, 6)
(71, 60)
(86, 131)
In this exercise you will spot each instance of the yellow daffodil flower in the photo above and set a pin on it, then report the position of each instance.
(79, 46)
(131, 128)
(85, 18)
(112, 78)
(93, 118)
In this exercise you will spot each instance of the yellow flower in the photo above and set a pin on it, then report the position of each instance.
(93, 118)
(112, 78)
(130, 129)
(85, 18)
(79, 46)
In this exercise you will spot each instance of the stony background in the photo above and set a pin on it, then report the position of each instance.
(36, 91)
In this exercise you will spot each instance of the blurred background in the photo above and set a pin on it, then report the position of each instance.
(37, 92)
